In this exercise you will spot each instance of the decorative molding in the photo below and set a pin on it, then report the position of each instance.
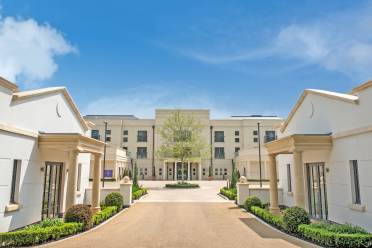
(16, 130)
(331, 95)
(352, 132)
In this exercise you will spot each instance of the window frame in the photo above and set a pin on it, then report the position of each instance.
(138, 153)
(355, 182)
(15, 181)
(219, 156)
(217, 138)
(139, 137)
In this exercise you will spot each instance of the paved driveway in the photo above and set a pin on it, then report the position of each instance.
(174, 223)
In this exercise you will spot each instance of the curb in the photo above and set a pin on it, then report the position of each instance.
(88, 231)
(280, 231)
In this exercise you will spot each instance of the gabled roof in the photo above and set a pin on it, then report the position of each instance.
(361, 87)
(329, 94)
(24, 95)
(7, 84)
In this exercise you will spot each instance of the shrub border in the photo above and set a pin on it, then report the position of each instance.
(184, 186)
(226, 193)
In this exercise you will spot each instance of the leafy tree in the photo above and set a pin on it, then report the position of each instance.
(181, 136)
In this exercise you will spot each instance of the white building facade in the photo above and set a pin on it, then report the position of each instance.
(324, 156)
(44, 157)
(227, 138)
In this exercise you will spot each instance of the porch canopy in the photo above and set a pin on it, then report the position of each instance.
(294, 144)
(75, 143)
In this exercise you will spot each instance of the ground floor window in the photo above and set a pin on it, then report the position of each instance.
(355, 187)
(16, 175)
(289, 178)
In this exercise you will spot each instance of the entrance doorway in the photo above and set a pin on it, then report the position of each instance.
(179, 171)
(317, 192)
(52, 190)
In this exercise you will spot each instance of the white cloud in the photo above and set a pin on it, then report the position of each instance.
(143, 100)
(341, 41)
(28, 50)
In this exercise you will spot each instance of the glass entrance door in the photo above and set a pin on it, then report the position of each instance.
(179, 171)
(52, 190)
(317, 192)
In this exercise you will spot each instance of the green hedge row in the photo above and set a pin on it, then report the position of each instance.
(182, 185)
(103, 215)
(28, 237)
(264, 214)
(327, 238)
(229, 193)
(138, 193)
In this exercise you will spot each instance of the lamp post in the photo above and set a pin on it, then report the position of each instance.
(104, 157)
(259, 152)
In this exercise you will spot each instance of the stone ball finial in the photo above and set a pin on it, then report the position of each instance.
(243, 179)
(126, 179)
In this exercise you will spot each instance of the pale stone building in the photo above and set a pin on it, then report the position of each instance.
(324, 157)
(44, 157)
(227, 138)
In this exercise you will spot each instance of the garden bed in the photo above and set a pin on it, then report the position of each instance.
(182, 185)
(295, 223)
(138, 192)
(229, 193)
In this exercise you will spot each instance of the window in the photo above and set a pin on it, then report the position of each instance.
(237, 149)
(289, 178)
(355, 189)
(141, 152)
(236, 133)
(108, 135)
(270, 136)
(255, 140)
(125, 132)
(125, 139)
(255, 132)
(142, 136)
(216, 172)
(237, 140)
(160, 171)
(203, 171)
(78, 177)
(16, 174)
(125, 148)
(219, 153)
(95, 134)
(219, 136)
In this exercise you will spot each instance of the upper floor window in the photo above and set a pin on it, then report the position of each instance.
(237, 149)
(142, 136)
(270, 136)
(125, 132)
(95, 134)
(108, 135)
(255, 140)
(141, 152)
(355, 187)
(236, 133)
(255, 132)
(16, 176)
(237, 140)
(219, 153)
(219, 136)
(125, 139)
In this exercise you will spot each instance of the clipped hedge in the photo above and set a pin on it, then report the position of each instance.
(182, 185)
(293, 217)
(268, 217)
(114, 199)
(229, 193)
(104, 214)
(252, 201)
(138, 193)
(324, 237)
(34, 236)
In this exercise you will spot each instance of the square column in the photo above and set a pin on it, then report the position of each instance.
(96, 187)
(274, 207)
(188, 171)
(200, 171)
(165, 171)
(299, 189)
(72, 180)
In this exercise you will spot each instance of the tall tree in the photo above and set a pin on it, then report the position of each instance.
(181, 139)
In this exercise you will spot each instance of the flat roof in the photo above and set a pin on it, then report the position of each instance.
(131, 117)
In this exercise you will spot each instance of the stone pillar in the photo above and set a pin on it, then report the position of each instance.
(274, 206)
(96, 186)
(188, 171)
(72, 180)
(126, 192)
(242, 192)
(200, 171)
(299, 190)
(165, 171)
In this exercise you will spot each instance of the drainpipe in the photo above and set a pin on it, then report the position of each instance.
(104, 157)
(259, 152)
(211, 143)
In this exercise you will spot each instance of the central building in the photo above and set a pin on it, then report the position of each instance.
(234, 138)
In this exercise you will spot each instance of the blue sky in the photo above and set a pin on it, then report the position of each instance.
(234, 57)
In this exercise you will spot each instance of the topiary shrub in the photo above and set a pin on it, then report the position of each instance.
(252, 201)
(80, 213)
(114, 199)
(293, 217)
